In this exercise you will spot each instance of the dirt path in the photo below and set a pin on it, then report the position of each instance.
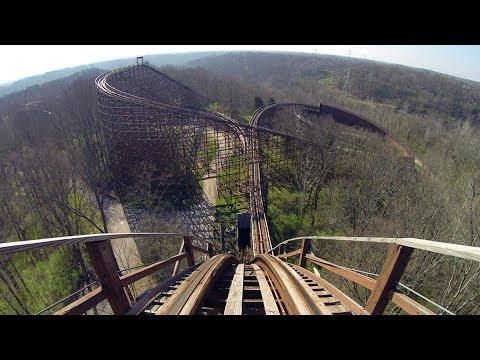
(210, 185)
(125, 250)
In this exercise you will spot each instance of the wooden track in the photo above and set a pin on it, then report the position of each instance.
(141, 100)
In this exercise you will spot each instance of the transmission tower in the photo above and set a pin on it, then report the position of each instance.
(347, 83)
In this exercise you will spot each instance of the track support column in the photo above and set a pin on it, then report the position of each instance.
(393, 268)
(305, 249)
(106, 267)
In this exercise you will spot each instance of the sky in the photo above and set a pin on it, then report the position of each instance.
(19, 61)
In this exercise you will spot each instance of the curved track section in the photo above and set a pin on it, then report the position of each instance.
(186, 299)
(265, 117)
(156, 126)
(298, 294)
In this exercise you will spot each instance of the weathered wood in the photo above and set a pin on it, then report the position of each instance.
(459, 251)
(291, 253)
(151, 294)
(360, 279)
(175, 268)
(344, 299)
(199, 249)
(269, 302)
(410, 306)
(176, 302)
(304, 250)
(106, 268)
(395, 264)
(315, 304)
(187, 242)
(207, 281)
(18, 246)
(83, 304)
(235, 295)
(150, 269)
(297, 297)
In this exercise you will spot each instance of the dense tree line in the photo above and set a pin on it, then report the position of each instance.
(55, 174)
(416, 91)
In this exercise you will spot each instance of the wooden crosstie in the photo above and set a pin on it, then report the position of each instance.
(143, 109)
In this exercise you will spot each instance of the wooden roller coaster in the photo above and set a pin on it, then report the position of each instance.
(142, 110)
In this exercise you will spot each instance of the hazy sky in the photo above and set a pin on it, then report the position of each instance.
(19, 61)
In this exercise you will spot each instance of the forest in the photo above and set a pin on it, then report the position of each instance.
(55, 179)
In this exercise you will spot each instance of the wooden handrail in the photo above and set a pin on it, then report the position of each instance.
(407, 304)
(456, 250)
(105, 265)
(150, 269)
(83, 304)
(18, 246)
(365, 281)
(291, 253)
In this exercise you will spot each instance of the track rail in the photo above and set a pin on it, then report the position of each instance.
(141, 109)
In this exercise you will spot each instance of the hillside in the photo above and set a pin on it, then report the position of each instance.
(413, 90)
(54, 168)
(158, 60)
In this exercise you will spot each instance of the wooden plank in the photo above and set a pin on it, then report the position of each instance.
(456, 250)
(106, 267)
(199, 249)
(175, 303)
(344, 298)
(395, 264)
(193, 302)
(150, 269)
(304, 250)
(235, 295)
(410, 306)
(187, 242)
(360, 279)
(175, 268)
(269, 302)
(314, 303)
(83, 304)
(283, 285)
(151, 294)
(291, 253)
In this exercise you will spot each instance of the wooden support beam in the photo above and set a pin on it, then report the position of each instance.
(210, 250)
(393, 268)
(150, 269)
(408, 305)
(187, 243)
(304, 250)
(106, 268)
(360, 279)
(199, 249)
(83, 304)
(291, 253)
(175, 268)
